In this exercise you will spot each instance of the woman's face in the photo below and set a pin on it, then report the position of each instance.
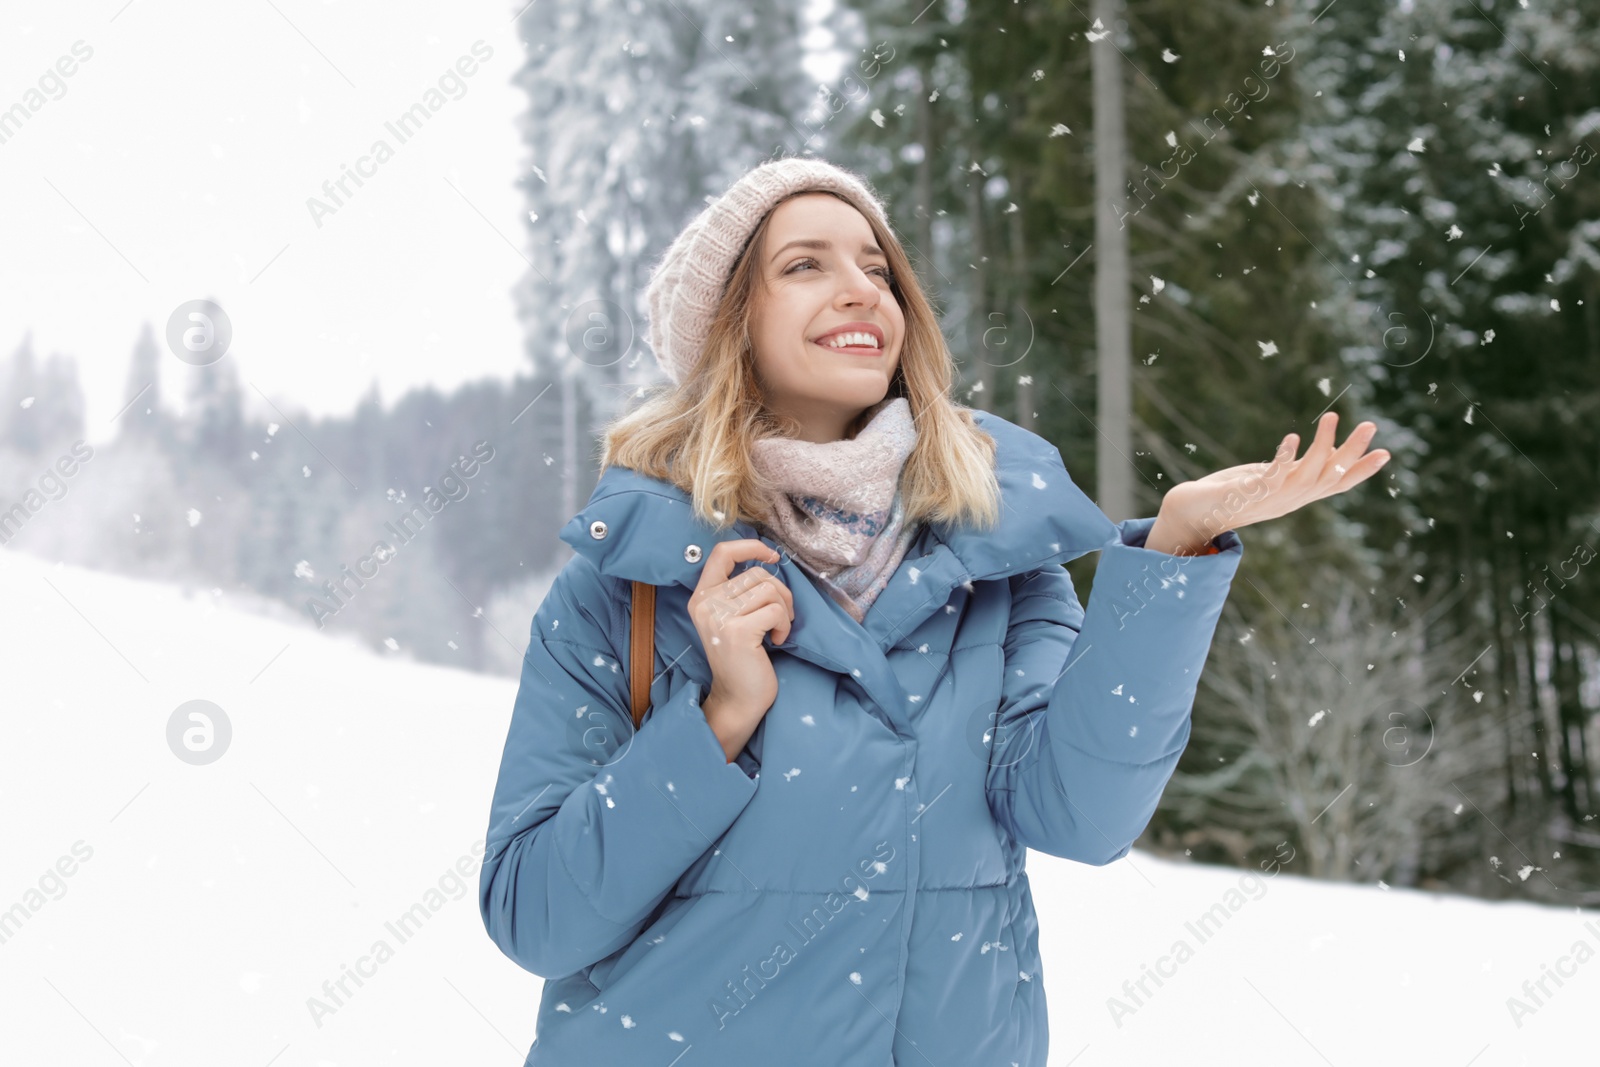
(836, 278)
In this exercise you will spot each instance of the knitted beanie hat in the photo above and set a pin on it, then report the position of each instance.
(688, 282)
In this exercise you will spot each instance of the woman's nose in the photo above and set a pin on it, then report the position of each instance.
(862, 291)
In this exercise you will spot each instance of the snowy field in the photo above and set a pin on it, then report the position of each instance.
(160, 912)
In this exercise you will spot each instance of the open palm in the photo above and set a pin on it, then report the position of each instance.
(1270, 490)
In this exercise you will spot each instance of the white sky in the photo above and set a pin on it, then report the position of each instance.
(177, 165)
(184, 151)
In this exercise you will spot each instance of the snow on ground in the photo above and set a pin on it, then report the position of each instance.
(158, 912)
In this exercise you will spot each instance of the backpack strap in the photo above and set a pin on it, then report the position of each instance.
(641, 646)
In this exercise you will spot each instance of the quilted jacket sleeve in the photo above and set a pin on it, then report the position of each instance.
(592, 822)
(1095, 705)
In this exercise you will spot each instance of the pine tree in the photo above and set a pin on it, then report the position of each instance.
(19, 417)
(60, 405)
(142, 416)
(637, 113)
(215, 414)
(1461, 142)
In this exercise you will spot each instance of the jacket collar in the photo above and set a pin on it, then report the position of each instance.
(640, 528)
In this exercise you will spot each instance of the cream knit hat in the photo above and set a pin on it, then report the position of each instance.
(688, 282)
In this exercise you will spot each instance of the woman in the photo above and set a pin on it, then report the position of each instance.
(875, 686)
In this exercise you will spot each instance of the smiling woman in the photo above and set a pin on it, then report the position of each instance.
(794, 252)
(857, 587)
(826, 328)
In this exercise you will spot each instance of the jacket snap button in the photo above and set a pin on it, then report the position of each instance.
(692, 553)
(597, 530)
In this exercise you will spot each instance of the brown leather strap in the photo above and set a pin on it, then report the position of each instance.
(641, 642)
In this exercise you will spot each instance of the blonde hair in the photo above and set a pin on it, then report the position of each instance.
(697, 434)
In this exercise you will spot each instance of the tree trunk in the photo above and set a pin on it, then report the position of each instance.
(1022, 372)
(1113, 470)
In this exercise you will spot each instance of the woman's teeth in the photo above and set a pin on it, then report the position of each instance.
(850, 340)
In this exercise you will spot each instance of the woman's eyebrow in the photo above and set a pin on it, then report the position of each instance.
(815, 242)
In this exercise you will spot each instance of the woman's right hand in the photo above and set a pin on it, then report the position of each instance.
(732, 616)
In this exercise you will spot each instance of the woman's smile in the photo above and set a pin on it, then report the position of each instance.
(855, 350)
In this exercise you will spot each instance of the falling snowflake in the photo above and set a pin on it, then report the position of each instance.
(1169, 56)
(1268, 348)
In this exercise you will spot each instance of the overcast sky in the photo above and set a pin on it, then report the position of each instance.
(175, 161)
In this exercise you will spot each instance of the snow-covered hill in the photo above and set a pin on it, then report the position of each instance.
(162, 912)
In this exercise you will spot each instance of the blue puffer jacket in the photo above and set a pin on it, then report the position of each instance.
(851, 890)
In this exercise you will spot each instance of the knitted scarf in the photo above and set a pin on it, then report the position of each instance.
(838, 508)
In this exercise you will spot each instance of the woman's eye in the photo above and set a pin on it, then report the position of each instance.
(883, 272)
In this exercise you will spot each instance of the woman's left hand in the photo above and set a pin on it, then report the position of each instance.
(1253, 492)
